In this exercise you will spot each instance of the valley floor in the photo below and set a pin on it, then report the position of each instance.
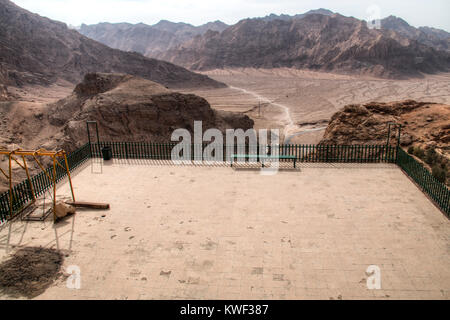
(200, 232)
(311, 98)
(299, 103)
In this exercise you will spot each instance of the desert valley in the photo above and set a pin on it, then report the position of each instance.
(320, 77)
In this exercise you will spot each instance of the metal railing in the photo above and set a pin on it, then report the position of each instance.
(303, 153)
(436, 190)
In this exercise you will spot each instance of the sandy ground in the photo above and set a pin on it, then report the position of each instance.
(199, 232)
(296, 101)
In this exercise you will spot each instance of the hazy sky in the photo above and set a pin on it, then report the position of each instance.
(434, 13)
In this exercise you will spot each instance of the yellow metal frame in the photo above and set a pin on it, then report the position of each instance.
(35, 153)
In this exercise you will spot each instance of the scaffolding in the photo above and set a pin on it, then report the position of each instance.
(13, 155)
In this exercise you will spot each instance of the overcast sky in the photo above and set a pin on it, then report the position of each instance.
(434, 13)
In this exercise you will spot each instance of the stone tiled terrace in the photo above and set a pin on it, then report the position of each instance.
(213, 232)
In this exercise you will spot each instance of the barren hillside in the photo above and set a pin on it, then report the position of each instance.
(37, 50)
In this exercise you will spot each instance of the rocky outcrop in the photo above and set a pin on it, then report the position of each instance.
(424, 124)
(37, 50)
(129, 108)
(95, 83)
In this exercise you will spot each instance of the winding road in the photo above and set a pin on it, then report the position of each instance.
(287, 118)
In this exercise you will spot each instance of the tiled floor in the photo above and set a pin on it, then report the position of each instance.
(199, 232)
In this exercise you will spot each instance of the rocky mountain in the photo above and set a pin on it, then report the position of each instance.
(435, 38)
(37, 50)
(423, 124)
(146, 39)
(128, 37)
(318, 39)
(315, 41)
(154, 40)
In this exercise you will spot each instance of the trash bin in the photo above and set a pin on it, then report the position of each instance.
(107, 153)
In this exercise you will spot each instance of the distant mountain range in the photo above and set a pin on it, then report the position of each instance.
(37, 50)
(286, 17)
(318, 40)
(145, 39)
(153, 40)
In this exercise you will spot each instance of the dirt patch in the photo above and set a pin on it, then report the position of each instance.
(30, 271)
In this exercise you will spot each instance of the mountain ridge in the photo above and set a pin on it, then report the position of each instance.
(311, 42)
(331, 43)
(148, 40)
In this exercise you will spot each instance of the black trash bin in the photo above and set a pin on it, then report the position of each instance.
(107, 153)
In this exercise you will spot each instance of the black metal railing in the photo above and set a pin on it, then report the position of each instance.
(436, 190)
(303, 153)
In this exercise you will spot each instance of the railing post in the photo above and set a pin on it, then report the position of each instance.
(398, 142)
